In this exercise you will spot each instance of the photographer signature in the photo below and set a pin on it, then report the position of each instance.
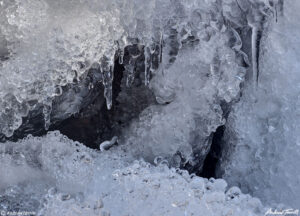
(282, 212)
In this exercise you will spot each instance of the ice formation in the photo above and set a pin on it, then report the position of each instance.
(62, 177)
(48, 44)
(185, 65)
(200, 69)
(263, 134)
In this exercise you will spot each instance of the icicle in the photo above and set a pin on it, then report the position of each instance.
(130, 72)
(134, 53)
(254, 53)
(160, 47)
(108, 88)
(278, 9)
(256, 37)
(147, 64)
(121, 56)
(120, 51)
(107, 69)
(152, 52)
(46, 112)
(276, 13)
(161, 65)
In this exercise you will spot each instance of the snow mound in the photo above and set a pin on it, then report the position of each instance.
(74, 180)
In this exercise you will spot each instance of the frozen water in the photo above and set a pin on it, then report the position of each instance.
(74, 180)
(194, 56)
(195, 92)
(263, 130)
(208, 71)
(49, 43)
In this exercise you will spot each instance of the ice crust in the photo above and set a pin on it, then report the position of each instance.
(262, 133)
(74, 180)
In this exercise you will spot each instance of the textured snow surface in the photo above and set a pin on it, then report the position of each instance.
(56, 176)
(263, 130)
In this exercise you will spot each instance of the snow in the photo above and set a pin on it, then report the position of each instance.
(74, 180)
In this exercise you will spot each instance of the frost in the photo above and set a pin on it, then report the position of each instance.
(79, 181)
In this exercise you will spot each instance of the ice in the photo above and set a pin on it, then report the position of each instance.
(262, 133)
(189, 93)
(49, 43)
(80, 181)
(193, 57)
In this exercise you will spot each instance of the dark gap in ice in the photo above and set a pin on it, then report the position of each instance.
(88, 129)
(258, 41)
(208, 169)
(95, 123)
(212, 158)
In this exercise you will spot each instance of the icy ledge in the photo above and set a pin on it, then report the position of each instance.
(56, 176)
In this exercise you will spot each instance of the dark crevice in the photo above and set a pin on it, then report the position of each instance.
(208, 167)
(212, 158)
(258, 41)
(89, 128)
(95, 123)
